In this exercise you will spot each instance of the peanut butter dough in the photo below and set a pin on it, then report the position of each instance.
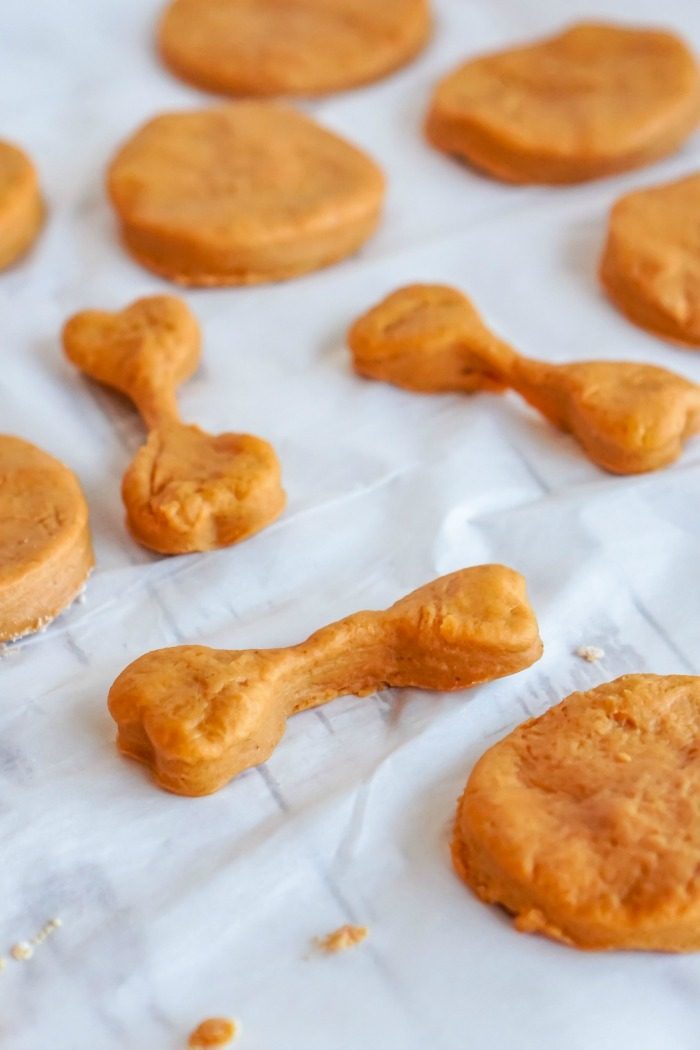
(249, 192)
(21, 206)
(186, 490)
(593, 100)
(627, 417)
(290, 47)
(198, 716)
(585, 823)
(651, 263)
(45, 548)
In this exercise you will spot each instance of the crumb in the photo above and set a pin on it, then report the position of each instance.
(46, 930)
(215, 1031)
(21, 951)
(3, 963)
(343, 938)
(591, 653)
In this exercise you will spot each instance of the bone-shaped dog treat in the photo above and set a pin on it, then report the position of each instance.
(199, 716)
(186, 490)
(627, 417)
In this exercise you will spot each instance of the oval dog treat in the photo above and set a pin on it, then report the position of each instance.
(186, 490)
(628, 418)
(21, 206)
(590, 101)
(249, 192)
(45, 549)
(584, 822)
(198, 716)
(651, 263)
(295, 47)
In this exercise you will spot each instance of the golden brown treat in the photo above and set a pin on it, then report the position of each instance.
(185, 490)
(249, 192)
(198, 716)
(651, 262)
(21, 206)
(45, 548)
(347, 936)
(290, 47)
(584, 823)
(214, 1032)
(628, 418)
(593, 100)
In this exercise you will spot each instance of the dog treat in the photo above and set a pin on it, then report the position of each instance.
(590, 101)
(300, 47)
(21, 206)
(583, 823)
(214, 1032)
(651, 262)
(186, 490)
(45, 548)
(249, 192)
(628, 418)
(199, 716)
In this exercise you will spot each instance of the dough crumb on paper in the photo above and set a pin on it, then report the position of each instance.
(347, 936)
(214, 1032)
(590, 653)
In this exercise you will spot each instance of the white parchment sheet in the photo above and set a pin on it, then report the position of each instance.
(175, 909)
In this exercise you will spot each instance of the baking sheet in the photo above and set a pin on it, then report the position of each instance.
(175, 909)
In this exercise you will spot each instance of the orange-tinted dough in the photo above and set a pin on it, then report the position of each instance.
(21, 206)
(651, 262)
(186, 490)
(45, 549)
(628, 418)
(290, 47)
(198, 716)
(595, 99)
(249, 192)
(214, 1032)
(585, 822)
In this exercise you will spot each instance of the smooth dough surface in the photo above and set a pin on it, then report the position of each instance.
(585, 822)
(248, 192)
(21, 206)
(595, 99)
(45, 549)
(290, 47)
(651, 262)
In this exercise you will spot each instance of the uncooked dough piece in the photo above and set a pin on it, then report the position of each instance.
(45, 548)
(585, 822)
(21, 206)
(249, 192)
(186, 490)
(651, 262)
(199, 716)
(595, 99)
(290, 47)
(627, 417)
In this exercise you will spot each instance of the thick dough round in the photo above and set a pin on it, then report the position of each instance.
(21, 207)
(651, 262)
(585, 822)
(45, 549)
(290, 47)
(592, 100)
(249, 192)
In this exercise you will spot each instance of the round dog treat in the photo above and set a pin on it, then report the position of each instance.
(584, 823)
(593, 100)
(249, 192)
(21, 207)
(290, 47)
(651, 263)
(45, 548)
